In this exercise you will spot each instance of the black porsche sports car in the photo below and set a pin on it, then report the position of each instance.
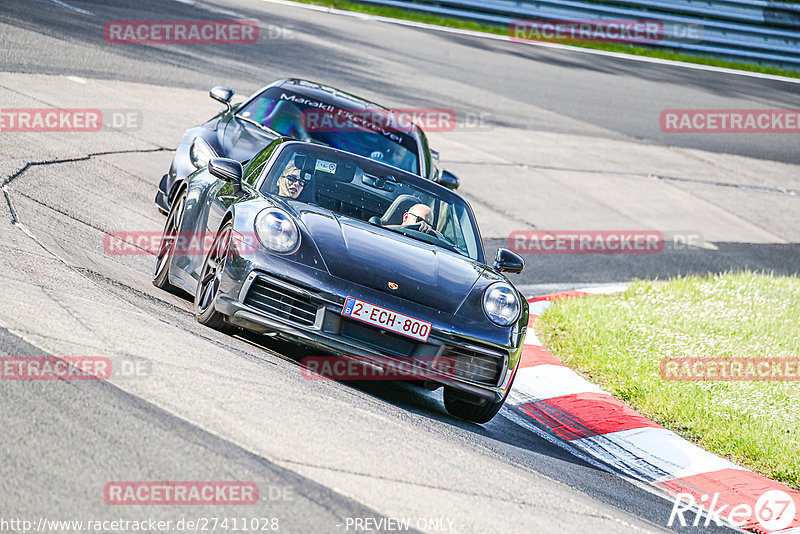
(241, 130)
(353, 257)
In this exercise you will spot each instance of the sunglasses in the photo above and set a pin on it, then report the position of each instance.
(296, 179)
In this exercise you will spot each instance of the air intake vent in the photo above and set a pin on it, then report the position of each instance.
(278, 301)
(475, 366)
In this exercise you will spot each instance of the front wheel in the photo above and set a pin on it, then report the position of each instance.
(208, 284)
(169, 241)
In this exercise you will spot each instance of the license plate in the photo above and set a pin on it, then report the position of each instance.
(386, 319)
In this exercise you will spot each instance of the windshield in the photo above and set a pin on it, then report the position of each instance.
(284, 111)
(374, 193)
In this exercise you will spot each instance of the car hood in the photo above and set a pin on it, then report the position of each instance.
(375, 258)
(241, 140)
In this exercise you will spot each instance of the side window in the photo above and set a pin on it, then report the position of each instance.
(426, 152)
(253, 168)
(466, 232)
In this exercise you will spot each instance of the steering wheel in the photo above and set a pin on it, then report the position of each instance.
(430, 230)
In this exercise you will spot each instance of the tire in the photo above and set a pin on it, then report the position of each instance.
(208, 283)
(167, 250)
(472, 408)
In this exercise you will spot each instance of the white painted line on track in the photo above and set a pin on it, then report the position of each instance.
(662, 448)
(534, 290)
(539, 307)
(210, 8)
(495, 37)
(77, 79)
(73, 8)
(525, 422)
(532, 339)
(604, 290)
(546, 381)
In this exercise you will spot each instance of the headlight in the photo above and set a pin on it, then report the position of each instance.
(501, 304)
(276, 230)
(201, 153)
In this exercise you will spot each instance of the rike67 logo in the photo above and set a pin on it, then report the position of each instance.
(773, 511)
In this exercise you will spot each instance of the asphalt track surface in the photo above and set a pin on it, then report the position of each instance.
(572, 142)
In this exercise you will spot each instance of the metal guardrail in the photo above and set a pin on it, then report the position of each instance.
(753, 11)
(753, 31)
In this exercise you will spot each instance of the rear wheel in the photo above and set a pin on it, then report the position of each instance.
(167, 250)
(471, 407)
(208, 284)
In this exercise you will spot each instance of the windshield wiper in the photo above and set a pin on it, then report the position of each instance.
(255, 123)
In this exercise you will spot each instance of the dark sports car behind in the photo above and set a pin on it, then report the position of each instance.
(241, 130)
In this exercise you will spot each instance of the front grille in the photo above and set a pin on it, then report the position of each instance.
(382, 340)
(281, 302)
(475, 366)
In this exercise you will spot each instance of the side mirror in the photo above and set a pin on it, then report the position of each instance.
(448, 179)
(228, 170)
(222, 94)
(508, 262)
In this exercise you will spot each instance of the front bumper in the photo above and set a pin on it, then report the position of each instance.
(319, 323)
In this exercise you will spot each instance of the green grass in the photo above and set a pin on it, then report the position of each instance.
(452, 22)
(618, 341)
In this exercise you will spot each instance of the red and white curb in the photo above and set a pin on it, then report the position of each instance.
(602, 428)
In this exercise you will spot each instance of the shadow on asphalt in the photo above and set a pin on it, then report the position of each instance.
(411, 397)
